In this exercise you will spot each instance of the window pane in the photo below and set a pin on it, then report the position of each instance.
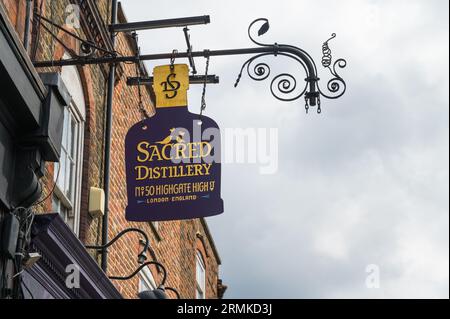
(199, 271)
(71, 179)
(201, 280)
(66, 118)
(55, 171)
(69, 220)
(68, 177)
(69, 134)
(73, 140)
(200, 276)
(63, 211)
(55, 204)
(143, 286)
(61, 173)
(60, 208)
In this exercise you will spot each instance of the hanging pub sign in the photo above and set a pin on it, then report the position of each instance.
(173, 158)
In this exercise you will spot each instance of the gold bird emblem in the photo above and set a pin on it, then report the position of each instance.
(168, 139)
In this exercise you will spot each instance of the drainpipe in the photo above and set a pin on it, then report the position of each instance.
(107, 163)
(26, 34)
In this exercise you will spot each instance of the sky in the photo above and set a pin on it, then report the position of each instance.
(359, 205)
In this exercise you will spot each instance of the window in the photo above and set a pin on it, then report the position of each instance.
(67, 173)
(200, 276)
(146, 280)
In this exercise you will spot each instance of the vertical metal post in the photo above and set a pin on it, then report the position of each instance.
(108, 126)
(26, 33)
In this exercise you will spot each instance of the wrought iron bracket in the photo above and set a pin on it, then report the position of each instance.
(142, 255)
(284, 86)
(134, 273)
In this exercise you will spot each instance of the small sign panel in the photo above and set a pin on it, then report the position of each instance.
(171, 83)
(173, 158)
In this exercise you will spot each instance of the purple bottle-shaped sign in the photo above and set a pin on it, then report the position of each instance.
(173, 164)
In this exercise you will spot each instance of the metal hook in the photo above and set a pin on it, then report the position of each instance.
(172, 59)
(333, 35)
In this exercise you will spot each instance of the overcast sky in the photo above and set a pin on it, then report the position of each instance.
(365, 182)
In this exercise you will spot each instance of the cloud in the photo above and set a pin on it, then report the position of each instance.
(365, 182)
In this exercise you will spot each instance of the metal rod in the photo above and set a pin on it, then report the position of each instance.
(146, 243)
(174, 291)
(26, 33)
(108, 129)
(160, 56)
(73, 35)
(275, 49)
(158, 24)
(119, 235)
(193, 79)
(134, 273)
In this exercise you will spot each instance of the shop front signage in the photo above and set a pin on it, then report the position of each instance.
(173, 165)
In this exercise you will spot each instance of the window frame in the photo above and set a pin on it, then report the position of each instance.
(74, 207)
(200, 261)
(77, 111)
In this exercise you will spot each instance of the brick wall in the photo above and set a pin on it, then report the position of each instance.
(174, 243)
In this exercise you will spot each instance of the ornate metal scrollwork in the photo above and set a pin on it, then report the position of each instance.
(282, 86)
(285, 86)
(335, 85)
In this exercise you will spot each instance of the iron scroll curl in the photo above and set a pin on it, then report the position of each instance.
(285, 86)
(336, 85)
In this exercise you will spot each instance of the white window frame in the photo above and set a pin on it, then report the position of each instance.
(76, 109)
(73, 204)
(200, 263)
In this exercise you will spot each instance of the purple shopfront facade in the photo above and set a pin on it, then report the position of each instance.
(52, 277)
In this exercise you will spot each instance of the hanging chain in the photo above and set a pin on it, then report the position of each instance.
(203, 103)
(319, 108)
(138, 75)
(172, 60)
(306, 104)
(319, 105)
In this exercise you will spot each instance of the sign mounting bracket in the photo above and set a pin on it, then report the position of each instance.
(283, 86)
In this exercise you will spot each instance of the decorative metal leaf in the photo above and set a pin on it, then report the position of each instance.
(264, 28)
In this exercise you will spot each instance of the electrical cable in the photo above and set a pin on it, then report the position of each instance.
(51, 191)
(26, 218)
